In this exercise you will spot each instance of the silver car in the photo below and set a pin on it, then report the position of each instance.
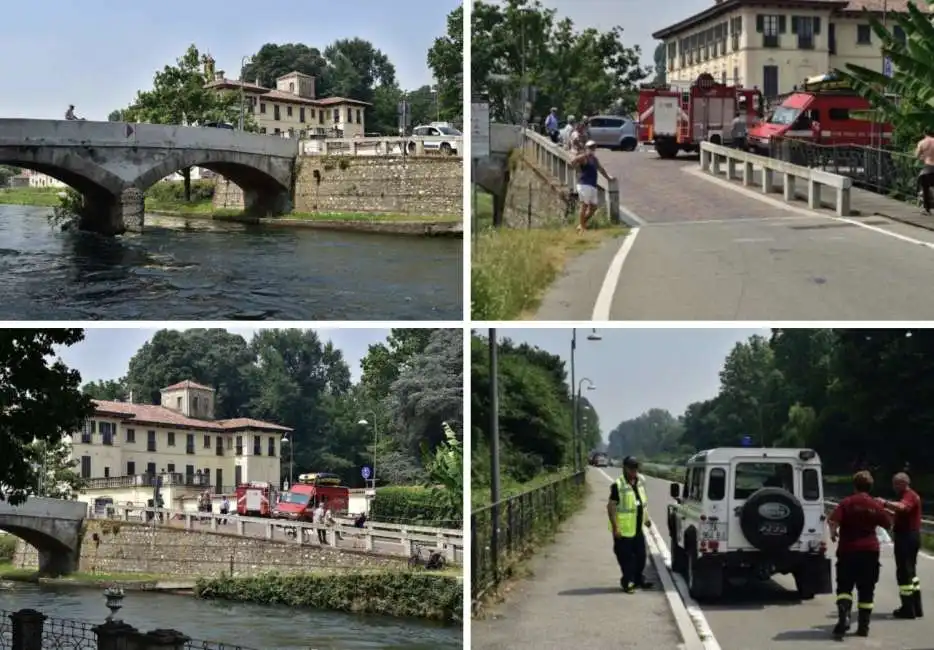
(614, 132)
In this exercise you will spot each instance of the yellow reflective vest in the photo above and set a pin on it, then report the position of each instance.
(627, 507)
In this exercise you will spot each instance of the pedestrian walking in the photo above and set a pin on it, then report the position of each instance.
(225, 509)
(551, 125)
(587, 193)
(319, 520)
(564, 136)
(906, 538)
(629, 516)
(738, 131)
(854, 522)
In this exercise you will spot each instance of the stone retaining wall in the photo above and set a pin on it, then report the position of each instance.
(533, 198)
(140, 548)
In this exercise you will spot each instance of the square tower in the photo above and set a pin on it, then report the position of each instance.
(298, 84)
(191, 399)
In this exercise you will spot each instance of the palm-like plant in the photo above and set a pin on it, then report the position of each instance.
(906, 100)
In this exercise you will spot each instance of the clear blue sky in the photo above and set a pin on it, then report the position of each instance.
(638, 369)
(105, 353)
(638, 18)
(96, 54)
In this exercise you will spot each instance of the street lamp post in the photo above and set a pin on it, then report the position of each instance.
(579, 448)
(375, 443)
(593, 336)
(243, 61)
(286, 441)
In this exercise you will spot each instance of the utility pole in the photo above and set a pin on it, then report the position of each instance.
(574, 398)
(494, 452)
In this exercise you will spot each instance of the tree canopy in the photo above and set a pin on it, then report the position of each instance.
(39, 404)
(861, 398)
(292, 377)
(580, 72)
(535, 412)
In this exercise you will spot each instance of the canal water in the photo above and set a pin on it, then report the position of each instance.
(253, 626)
(182, 269)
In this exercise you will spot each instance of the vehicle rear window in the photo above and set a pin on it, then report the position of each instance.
(716, 484)
(810, 485)
(839, 113)
(750, 477)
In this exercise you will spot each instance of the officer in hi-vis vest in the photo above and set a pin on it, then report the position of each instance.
(628, 515)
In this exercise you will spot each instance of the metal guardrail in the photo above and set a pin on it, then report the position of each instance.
(448, 541)
(556, 160)
(496, 546)
(712, 155)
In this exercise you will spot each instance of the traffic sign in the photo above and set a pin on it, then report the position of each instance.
(366, 472)
(479, 129)
(887, 68)
(747, 441)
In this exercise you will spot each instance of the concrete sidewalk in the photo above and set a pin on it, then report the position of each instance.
(572, 598)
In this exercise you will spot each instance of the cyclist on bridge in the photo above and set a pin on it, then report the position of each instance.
(627, 510)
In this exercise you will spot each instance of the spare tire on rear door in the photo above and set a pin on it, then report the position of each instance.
(772, 519)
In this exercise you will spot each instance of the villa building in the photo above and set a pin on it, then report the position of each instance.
(125, 447)
(774, 45)
(291, 109)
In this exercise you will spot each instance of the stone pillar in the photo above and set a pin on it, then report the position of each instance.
(132, 205)
(55, 563)
(164, 640)
(258, 203)
(116, 635)
(27, 629)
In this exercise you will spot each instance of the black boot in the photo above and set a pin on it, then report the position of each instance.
(862, 622)
(907, 610)
(919, 612)
(844, 608)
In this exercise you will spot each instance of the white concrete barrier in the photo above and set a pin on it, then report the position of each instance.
(713, 156)
(556, 160)
(388, 146)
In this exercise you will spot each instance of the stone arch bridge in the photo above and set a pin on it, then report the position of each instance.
(52, 526)
(113, 163)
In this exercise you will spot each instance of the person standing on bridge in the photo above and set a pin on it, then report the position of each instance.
(906, 533)
(587, 192)
(854, 522)
(627, 510)
(551, 125)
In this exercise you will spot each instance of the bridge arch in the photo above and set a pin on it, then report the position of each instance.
(56, 556)
(69, 167)
(249, 171)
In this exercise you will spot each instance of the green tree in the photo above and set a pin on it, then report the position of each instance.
(384, 362)
(446, 60)
(7, 172)
(108, 390)
(661, 65)
(445, 469)
(56, 475)
(272, 61)
(519, 42)
(40, 402)
(116, 116)
(179, 96)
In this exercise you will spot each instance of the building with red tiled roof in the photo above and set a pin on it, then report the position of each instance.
(292, 108)
(774, 45)
(125, 445)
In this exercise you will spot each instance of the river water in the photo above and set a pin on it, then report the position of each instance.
(190, 269)
(253, 626)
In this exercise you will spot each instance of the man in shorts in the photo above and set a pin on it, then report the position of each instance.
(587, 193)
(925, 152)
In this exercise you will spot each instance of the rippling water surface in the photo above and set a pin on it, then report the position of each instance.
(204, 270)
(253, 626)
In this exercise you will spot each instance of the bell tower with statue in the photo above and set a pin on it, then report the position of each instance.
(208, 62)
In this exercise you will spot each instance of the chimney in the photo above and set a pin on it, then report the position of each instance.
(257, 82)
(130, 398)
(219, 75)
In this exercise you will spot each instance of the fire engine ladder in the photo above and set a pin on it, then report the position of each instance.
(684, 124)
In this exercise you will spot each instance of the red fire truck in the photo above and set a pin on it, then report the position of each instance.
(680, 118)
(256, 499)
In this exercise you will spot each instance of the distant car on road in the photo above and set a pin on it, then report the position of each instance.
(218, 125)
(437, 136)
(614, 132)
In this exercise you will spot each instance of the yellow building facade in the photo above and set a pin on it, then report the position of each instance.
(125, 445)
(292, 109)
(774, 46)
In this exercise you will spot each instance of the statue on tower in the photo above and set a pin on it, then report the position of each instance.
(208, 62)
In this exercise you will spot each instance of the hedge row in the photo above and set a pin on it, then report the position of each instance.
(415, 505)
(414, 594)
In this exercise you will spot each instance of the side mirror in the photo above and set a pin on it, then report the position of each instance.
(674, 490)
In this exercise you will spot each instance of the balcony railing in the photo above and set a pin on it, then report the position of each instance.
(805, 42)
(219, 450)
(770, 40)
(189, 449)
(144, 480)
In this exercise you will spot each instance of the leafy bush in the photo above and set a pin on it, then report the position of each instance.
(7, 549)
(425, 506)
(394, 593)
(174, 192)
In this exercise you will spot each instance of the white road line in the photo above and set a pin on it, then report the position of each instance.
(635, 218)
(691, 622)
(803, 211)
(601, 309)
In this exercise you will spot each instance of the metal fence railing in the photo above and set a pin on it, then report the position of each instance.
(51, 633)
(883, 171)
(502, 532)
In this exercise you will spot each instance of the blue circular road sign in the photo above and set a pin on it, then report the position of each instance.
(366, 472)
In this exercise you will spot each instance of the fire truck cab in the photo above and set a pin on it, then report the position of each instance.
(827, 112)
(256, 499)
(680, 118)
(300, 501)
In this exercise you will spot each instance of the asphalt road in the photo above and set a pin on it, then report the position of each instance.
(706, 251)
(769, 615)
(572, 597)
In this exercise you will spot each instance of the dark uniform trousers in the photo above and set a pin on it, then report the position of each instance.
(859, 569)
(907, 545)
(630, 553)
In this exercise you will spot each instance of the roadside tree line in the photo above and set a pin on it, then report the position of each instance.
(861, 398)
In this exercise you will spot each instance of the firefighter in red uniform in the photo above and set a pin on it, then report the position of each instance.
(854, 522)
(906, 534)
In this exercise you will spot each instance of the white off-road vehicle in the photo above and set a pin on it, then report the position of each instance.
(748, 513)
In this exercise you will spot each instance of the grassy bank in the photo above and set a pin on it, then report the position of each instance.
(38, 196)
(21, 574)
(412, 594)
